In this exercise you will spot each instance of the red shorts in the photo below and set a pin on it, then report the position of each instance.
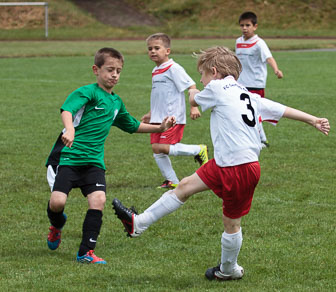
(171, 136)
(260, 91)
(235, 185)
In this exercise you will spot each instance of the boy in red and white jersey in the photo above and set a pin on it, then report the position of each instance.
(234, 172)
(254, 55)
(169, 81)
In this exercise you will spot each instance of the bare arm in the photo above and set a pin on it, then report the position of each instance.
(167, 123)
(271, 61)
(192, 93)
(321, 124)
(69, 134)
(194, 111)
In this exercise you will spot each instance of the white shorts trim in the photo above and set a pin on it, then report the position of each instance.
(51, 175)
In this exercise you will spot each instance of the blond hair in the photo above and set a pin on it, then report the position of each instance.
(222, 58)
(160, 36)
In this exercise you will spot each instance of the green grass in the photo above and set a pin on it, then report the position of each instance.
(179, 46)
(289, 234)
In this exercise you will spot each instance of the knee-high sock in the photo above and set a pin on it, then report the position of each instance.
(166, 168)
(56, 219)
(167, 204)
(91, 228)
(262, 133)
(231, 244)
(184, 149)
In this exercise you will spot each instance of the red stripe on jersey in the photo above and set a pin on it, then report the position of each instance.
(245, 46)
(160, 71)
(271, 121)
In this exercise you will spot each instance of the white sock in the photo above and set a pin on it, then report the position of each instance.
(166, 168)
(180, 149)
(167, 204)
(231, 244)
(262, 133)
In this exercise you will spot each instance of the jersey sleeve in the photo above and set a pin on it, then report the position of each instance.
(125, 122)
(270, 111)
(181, 78)
(265, 52)
(76, 100)
(206, 98)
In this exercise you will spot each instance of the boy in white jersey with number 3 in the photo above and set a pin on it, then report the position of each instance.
(169, 81)
(234, 172)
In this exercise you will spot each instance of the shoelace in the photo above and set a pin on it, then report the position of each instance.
(95, 258)
(54, 234)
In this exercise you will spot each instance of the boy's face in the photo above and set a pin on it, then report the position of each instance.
(247, 28)
(157, 52)
(108, 74)
(208, 76)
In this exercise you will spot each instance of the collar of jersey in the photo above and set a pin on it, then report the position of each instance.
(164, 65)
(250, 40)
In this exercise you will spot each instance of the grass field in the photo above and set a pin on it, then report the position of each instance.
(289, 234)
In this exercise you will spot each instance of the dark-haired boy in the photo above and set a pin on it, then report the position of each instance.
(77, 158)
(254, 55)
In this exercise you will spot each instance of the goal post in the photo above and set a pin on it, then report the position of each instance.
(45, 4)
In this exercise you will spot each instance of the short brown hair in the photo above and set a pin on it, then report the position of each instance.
(249, 15)
(101, 55)
(222, 58)
(160, 36)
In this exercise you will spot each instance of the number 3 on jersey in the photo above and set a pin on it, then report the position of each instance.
(250, 123)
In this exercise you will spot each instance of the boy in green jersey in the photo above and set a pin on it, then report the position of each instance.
(77, 158)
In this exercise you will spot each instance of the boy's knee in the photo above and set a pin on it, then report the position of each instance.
(97, 200)
(160, 148)
(182, 190)
(57, 201)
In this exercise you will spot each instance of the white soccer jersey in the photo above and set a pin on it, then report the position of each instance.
(169, 81)
(233, 123)
(253, 54)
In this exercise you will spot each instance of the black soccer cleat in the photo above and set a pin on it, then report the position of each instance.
(126, 216)
(216, 274)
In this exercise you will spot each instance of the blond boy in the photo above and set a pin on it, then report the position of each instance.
(234, 172)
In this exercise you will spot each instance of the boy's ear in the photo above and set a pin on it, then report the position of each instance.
(214, 71)
(168, 51)
(95, 69)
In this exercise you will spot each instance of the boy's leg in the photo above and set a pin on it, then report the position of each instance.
(163, 162)
(91, 228)
(168, 203)
(232, 239)
(180, 149)
(263, 137)
(231, 243)
(56, 217)
(200, 152)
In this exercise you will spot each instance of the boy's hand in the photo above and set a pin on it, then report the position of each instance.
(194, 112)
(68, 137)
(278, 73)
(322, 124)
(146, 118)
(167, 123)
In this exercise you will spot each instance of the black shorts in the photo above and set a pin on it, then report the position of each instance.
(88, 178)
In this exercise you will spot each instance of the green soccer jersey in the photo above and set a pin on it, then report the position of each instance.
(94, 111)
